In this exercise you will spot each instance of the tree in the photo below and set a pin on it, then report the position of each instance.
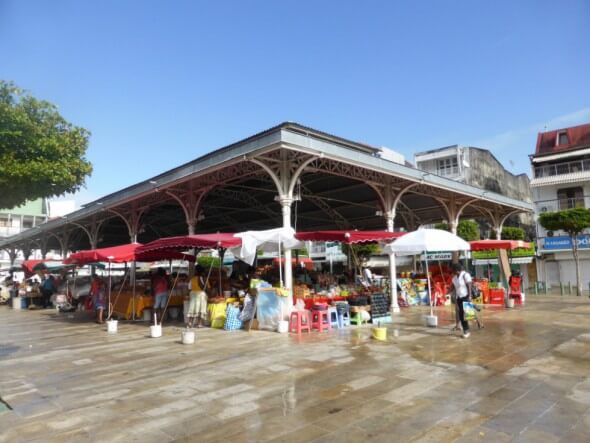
(572, 221)
(41, 154)
(468, 230)
(512, 233)
(361, 250)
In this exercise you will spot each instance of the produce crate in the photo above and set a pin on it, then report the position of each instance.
(496, 296)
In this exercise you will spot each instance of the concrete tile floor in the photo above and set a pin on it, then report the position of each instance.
(525, 377)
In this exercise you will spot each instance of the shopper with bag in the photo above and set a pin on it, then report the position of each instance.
(462, 287)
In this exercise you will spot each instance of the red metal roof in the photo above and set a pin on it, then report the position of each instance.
(578, 137)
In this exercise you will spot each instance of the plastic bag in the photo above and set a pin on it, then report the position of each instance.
(469, 310)
(299, 305)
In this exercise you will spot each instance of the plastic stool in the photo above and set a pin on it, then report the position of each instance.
(320, 320)
(344, 317)
(333, 316)
(299, 321)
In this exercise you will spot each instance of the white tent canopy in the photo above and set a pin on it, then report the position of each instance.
(429, 240)
(268, 241)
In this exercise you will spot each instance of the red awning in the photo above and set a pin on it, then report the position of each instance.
(121, 254)
(348, 236)
(28, 265)
(484, 245)
(198, 241)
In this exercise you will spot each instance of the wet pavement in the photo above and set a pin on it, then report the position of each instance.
(525, 377)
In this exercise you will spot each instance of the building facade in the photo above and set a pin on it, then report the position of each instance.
(16, 220)
(561, 180)
(479, 167)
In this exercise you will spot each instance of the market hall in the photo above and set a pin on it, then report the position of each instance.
(289, 176)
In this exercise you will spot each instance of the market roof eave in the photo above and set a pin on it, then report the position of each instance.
(287, 136)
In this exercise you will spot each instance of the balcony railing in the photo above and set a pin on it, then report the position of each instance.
(7, 231)
(562, 168)
(561, 204)
(450, 171)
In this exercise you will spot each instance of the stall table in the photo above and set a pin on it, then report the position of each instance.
(124, 304)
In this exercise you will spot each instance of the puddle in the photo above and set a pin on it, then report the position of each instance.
(7, 350)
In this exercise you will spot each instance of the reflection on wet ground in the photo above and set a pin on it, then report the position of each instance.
(523, 377)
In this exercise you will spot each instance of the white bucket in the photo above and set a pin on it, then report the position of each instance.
(431, 321)
(112, 326)
(510, 303)
(173, 313)
(522, 297)
(188, 337)
(16, 303)
(156, 331)
(147, 315)
(283, 326)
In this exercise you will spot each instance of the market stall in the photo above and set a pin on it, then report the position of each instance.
(360, 294)
(127, 302)
(511, 288)
(219, 302)
(425, 241)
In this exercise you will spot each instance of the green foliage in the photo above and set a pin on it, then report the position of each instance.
(362, 250)
(41, 154)
(468, 230)
(208, 261)
(300, 252)
(519, 252)
(572, 221)
(512, 233)
(442, 227)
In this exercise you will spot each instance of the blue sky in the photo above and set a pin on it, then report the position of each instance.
(159, 83)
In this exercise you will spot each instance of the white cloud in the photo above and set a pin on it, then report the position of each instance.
(515, 145)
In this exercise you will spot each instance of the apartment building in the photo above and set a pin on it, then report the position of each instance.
(561, 180)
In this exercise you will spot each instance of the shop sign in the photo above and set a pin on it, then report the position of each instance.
(442, 256)
(565, 242)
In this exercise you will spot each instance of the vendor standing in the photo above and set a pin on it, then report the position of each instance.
(47, 290)
(198, 298)
(160, 287)
(98, 294)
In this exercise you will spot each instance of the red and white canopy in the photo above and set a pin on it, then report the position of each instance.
(122, 254)
(186, 242)
(485, 245)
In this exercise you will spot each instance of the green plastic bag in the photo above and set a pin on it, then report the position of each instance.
(469, 310)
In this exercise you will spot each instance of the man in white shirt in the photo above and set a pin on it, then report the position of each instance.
(462, 287)
(368, 275)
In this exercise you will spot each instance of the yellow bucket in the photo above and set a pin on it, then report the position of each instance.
(380, 334)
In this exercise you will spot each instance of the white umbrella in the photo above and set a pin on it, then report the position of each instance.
(427, 240)
(268, 241)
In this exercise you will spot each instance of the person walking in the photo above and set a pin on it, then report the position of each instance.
(462, 287)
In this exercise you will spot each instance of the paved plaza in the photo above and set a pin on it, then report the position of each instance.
(524, 377)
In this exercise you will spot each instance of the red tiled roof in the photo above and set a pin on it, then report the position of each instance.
(578, 137)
